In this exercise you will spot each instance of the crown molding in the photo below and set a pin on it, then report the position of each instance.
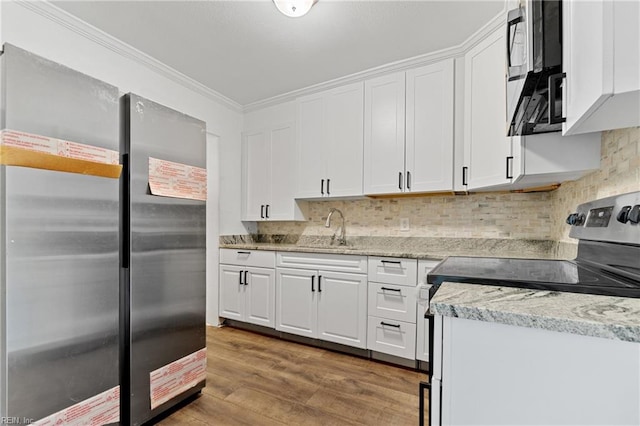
(402, 65)
(83, 29)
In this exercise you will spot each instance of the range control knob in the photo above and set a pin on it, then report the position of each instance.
(575, 219)
(623, 215)
(634, 214)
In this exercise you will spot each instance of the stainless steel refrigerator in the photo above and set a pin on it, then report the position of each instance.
(59, 249)
(163, 282)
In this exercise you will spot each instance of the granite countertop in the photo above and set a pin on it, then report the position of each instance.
(407, 247)
(616, 318)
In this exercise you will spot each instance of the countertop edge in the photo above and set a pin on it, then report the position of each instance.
(477, 310)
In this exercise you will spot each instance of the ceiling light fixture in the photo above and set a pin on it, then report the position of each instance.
(294, 8)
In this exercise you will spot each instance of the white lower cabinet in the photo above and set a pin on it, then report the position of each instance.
(391, 327)
(392, 337)
(496, 374)
(320, 304)
(247, 294)
(392, 301)
(247, 286)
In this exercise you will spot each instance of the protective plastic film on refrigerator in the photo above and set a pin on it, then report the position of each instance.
(59, 248)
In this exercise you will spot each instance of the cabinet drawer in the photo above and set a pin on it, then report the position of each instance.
(322, 261)
(258, 258)
(391, 337)
(392, 301)
(393, 270)
(424, 267)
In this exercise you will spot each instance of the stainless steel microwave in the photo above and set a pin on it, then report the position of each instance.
(534, 73)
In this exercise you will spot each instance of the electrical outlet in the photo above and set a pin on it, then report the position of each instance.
(404, 224)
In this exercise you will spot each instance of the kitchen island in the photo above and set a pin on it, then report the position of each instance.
(507, 355)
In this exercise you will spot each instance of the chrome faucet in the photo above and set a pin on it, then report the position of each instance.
(343, 239)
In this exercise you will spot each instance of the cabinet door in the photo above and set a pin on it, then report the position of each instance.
(485, 113)
(231, 302)
(282, 205)
(384, 114)
(342, 308)
(260, 296)
(429, 142)
(312, 149)
(296, 301)
(344, 112)
(587, 58)
(256, 182)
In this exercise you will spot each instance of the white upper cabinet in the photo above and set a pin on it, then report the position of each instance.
(601, 59)
(268, 174)
(495, 161)
(429, 131)
(409, 131)
(330, 143)
(485, 128)
(384, 103)
(256, 179)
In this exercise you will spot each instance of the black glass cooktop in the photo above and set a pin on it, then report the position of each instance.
(537, 274)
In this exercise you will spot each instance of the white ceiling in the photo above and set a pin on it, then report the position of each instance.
(248, 51)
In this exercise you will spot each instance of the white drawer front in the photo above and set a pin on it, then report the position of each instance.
(258, 258)
(424, 267)
(392, 301)
(393, 270)
(322, 261)
(391, 337)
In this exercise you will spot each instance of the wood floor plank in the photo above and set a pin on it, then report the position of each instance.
(344, 404)
(253, 379)
(379, 394)
(285, 411)
(215, 411)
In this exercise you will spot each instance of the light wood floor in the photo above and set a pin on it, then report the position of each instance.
(258, 380)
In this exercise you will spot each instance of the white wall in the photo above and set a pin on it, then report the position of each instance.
(61, 38)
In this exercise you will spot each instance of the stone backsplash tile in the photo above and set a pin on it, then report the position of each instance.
(619, 173)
